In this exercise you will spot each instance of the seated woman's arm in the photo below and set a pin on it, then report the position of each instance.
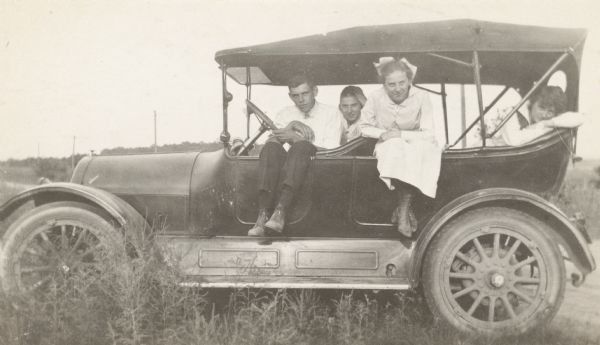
(426, 129)
(368, 126)
(569, 119)
(514, 136)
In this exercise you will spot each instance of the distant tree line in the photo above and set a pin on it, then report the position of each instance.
(185, 146)
(59, 169)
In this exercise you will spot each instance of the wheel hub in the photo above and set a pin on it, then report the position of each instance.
(497, 280)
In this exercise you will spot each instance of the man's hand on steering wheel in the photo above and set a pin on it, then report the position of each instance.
(286, 135)
(305, 131)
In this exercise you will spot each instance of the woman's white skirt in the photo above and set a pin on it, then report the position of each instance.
(417, 163)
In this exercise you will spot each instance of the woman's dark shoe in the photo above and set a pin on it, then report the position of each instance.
(277, 220)
(404, 217)
(259, 228)
(407, 224)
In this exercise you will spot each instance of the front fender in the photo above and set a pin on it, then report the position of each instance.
(564, 231)
(121, 212)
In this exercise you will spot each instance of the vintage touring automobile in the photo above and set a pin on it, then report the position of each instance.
(490, 249)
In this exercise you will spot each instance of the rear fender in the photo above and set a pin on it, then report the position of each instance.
(123, 214)
(565, 233)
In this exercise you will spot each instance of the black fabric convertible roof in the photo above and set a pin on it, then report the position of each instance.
(507, 51)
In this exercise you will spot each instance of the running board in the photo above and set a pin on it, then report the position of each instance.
(264, 262)
(350, 283)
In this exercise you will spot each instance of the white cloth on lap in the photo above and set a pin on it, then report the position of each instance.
(417, 163)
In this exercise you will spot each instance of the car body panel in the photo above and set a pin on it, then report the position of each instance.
(251, 260)
(156, 185)
(214, 193)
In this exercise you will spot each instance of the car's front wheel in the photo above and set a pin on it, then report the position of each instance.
(49, 244)
(494, 271)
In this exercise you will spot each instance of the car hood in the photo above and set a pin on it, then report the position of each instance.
(156, 174)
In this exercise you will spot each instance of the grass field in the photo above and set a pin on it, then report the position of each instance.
(18, 174)
(135, 301)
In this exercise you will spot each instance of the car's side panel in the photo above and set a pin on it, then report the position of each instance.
(246, 193)
(247, 259)
(156, 185)
(212, 193)
(538, 168)
(322, 204)
(372, 202)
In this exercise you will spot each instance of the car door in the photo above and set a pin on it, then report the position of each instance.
(321, 206)
(372, 202)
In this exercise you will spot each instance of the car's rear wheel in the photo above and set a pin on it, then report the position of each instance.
(494, 271)
(49, 244)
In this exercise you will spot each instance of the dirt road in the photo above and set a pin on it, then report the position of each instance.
(581, 307)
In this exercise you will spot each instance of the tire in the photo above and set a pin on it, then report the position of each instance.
(52, 242)
(494, 271)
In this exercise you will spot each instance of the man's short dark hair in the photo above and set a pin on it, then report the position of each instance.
(300, 79)
(354, 91)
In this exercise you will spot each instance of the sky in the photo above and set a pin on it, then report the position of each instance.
(92, 73)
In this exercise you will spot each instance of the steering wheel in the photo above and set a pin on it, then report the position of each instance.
(264, 119)
(241, 148)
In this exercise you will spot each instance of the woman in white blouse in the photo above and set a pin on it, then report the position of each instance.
(546, 111)
(408, 156)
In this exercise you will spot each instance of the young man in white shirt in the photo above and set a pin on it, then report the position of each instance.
(306, 126)
(352, 100)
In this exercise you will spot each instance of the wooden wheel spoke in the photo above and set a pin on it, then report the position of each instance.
(48, 244)
(528, 280)
(64, 241)
(521, 295)
(496, 247)
(41, 282)
(476, 303)
(492, 309)
(467, 260)
(512, 250)
(32, 269)
(524, 262)
(480, 249)
(80, 237)
(462, 275)
(508, 307)
(463, 292)
(92, 249)
(34, 251)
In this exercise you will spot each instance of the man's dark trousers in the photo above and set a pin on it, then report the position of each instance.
(278, 168)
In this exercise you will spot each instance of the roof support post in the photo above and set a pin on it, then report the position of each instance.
(227, 97)
(477, 75)
(463, 115)
(248, 96)
(536, 86)
(445, 109)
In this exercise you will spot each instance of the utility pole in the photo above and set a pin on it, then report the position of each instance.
(155, 146)
(73, 155)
